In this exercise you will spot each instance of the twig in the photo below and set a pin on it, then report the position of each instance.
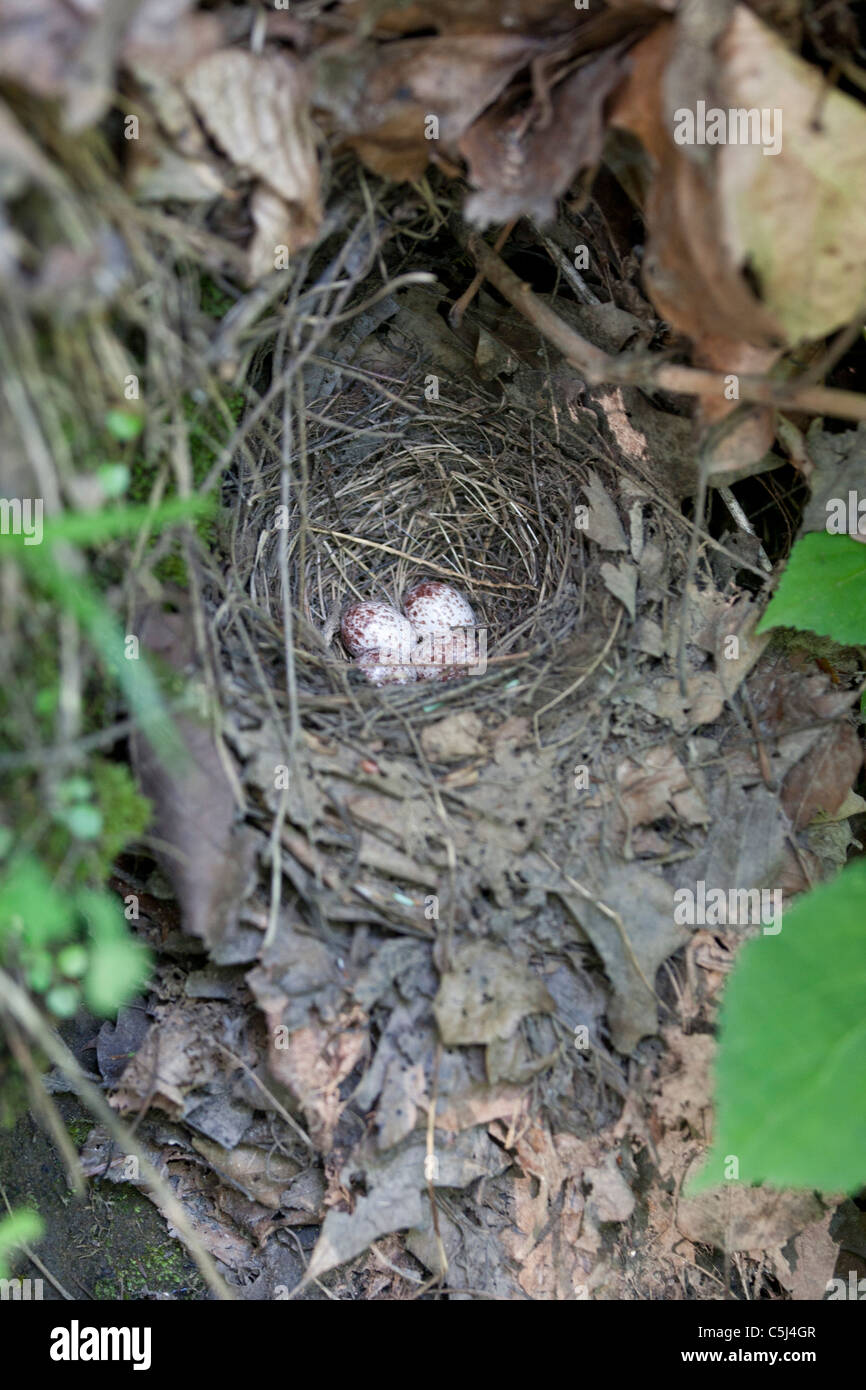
(597, 367)
(459, 307)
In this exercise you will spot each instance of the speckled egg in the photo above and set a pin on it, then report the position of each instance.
(384, 672)
(442, 657)
(433, 607)
(373, 626)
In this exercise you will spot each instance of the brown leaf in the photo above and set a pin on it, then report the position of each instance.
(520, 164)
(261, 1177)
(603, 524)
(822, 779)
(474, 16)
(62, 50)
(209, 857)
(632, 944)
(693, 280)
(256, 109)
(658, 786)
(746, 1218)
(455, 736)
(485, 995)
(313, 1063)
(38, 40)
(798, 216)
(806, 1272)
(380, 95)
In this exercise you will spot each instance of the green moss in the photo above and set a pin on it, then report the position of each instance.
(123, 811)
(213, 300)
(78, 1131)
(140, 1266)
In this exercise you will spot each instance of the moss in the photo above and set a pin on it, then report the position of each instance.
(213, 300)
(125, 812)
(78, 1131)
(140, 1266)
(125, 816)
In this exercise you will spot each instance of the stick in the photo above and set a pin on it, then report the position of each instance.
(597, 367)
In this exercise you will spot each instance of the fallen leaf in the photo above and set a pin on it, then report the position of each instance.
(621, 580)
(313, 1062)
(380, 95)
(521, 160)
(746, 1218)
(210, 856)
(632, 944)
(485, 995)
(796, 218)
(457, 736)
(603, 523)
(256, 108)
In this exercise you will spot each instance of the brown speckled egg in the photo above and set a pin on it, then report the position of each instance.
(441, 658)
(374, 626)
(384, 672)
(434, 609)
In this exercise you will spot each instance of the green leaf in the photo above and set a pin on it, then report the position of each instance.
(113, 479)
(63, 1000)
(91, 528)
(791, 1070)
(823, 589)
(116, 972)
(83, 822)
(39, 970)
(20, 1227)
(75, 789)
(30, 905)
(123, 424)
(72, 961)
(118, 966)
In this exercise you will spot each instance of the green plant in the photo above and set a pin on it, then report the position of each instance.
(17, 1229)
(791, 1069)
(823, 589)
(71, 948)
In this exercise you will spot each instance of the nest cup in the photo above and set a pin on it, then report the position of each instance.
(450, 497)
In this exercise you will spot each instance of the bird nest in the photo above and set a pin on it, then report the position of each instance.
(441, 496)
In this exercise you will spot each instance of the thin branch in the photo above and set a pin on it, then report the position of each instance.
(598, 367)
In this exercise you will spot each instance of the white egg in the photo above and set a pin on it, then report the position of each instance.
(442, 657)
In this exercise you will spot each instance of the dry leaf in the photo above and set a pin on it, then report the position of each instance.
(381, 95)
(746, 1218)
(520, 165)
(485, 995)
(796, 218)
(313, 1063)
(256, 109)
